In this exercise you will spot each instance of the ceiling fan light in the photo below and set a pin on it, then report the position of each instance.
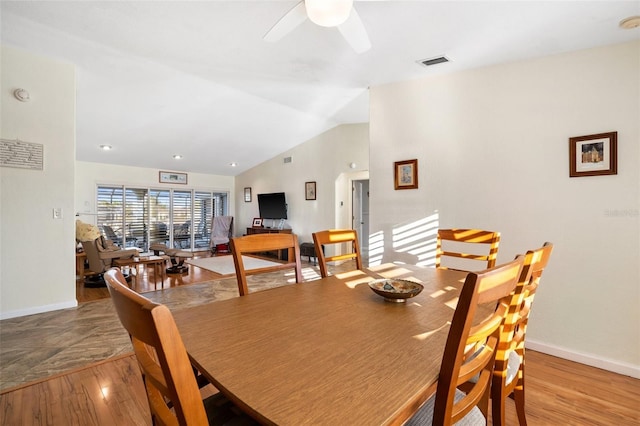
(328, 13)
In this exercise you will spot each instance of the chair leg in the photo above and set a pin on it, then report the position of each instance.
(518, 397)
(498, 408)
(483, 403)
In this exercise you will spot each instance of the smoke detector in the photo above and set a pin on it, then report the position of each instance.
(21, 95)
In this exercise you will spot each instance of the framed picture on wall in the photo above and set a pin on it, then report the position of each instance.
(309, 190)
(173, 177)
(405, 174)
(247, 195)
(593, 155)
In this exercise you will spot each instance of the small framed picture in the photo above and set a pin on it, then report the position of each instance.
(405, 174)
(257, 222)
(593, 155)
(309, 190)
(173, 177)
(247, 195)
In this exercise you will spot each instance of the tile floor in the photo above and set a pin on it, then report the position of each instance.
(37, 346)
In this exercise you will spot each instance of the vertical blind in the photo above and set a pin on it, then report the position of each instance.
(140, 217)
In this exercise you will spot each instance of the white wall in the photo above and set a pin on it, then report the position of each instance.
(492, 146)
(37, 251)
(324, 159)
(89, 175)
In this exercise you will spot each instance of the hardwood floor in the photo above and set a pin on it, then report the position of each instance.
(559, 392)
(37, 346)
(145, 280)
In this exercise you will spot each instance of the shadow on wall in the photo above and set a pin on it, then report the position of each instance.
(412, 243)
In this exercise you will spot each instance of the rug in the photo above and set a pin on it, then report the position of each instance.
(223, 265)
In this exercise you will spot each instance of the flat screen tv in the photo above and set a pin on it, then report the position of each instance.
(272, 206)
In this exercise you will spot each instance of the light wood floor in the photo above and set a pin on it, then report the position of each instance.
(145, 281)
(559, 392)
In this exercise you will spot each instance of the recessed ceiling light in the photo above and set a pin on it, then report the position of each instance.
(177, 156)
(630, 23)
(106, 147)
(233, 164)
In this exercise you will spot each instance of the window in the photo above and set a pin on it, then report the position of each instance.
(159, 214)
(202, 214)
(136, 218)
(181, 219)
(140, 217)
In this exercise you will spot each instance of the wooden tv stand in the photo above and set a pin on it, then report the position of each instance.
(280, 254)
(257, 230)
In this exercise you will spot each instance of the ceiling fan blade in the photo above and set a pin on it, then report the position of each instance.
(287, 23)
(354, 32)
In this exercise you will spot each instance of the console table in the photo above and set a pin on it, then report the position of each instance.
(281, 254)
(80, 258)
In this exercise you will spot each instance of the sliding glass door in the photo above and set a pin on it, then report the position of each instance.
(159, 214)
(181, 219)
(141, 217)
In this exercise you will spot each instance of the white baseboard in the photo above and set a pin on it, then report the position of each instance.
(587, 359)
(38, 309)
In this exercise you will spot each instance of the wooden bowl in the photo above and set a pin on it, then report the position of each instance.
(394, 290)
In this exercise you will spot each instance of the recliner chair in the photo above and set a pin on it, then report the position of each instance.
(176, 256)
(100, 254)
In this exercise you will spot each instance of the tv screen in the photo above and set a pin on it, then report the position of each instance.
(272, 206)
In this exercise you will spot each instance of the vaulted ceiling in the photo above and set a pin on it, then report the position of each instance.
(197, 79)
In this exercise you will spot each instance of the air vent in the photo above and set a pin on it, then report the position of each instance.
(433, 61)
(287, 160)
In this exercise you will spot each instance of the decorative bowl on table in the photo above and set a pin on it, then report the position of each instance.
(394, 290)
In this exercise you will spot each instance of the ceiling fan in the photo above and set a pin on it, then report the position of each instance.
(327, 13)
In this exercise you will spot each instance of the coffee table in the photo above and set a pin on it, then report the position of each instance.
(157, 262)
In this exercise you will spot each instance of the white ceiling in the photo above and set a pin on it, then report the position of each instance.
(196, 78)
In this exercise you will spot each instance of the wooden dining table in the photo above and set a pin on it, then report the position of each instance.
(328, 351)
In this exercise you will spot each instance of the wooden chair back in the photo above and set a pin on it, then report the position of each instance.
(166, 370)
(482, 246)
(336, 236)
(508, 376)
(256, 243)
(469, 352)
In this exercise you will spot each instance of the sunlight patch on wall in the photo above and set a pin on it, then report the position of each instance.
(376, 248)
(418, 238)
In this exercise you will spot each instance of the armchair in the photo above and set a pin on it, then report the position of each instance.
(100, 252)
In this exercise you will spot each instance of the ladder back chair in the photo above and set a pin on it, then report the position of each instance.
(336, 236)
(257, 243)
(482, 247)
(508, 376)
(469, 352)
(171, 386)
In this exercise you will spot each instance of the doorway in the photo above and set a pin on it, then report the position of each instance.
(360, 215)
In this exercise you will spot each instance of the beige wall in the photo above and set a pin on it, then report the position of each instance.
(324, 159)
(37, 251)
(492, 146)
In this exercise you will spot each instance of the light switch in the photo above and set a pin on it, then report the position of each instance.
(57, 213)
